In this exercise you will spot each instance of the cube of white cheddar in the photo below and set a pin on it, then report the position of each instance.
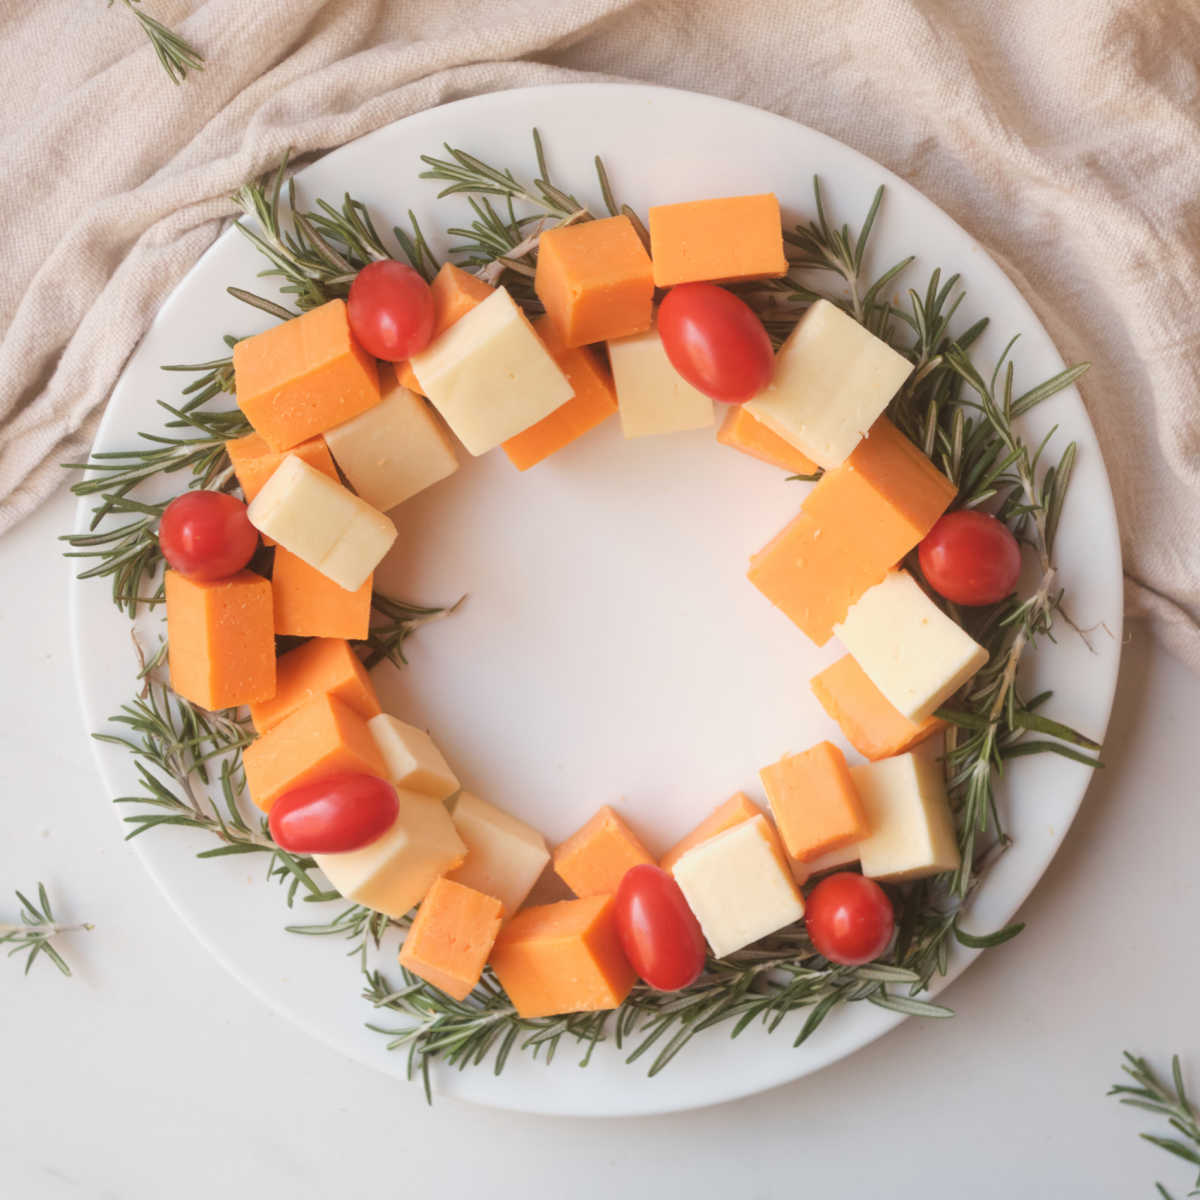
(489, 375)
(505, 857)
(394, 450)
(908, 648)
(321, 522)
(912, 831)
(739, 886)
(413, 761)
(832, 380)
(393, 873)
(802, 872)
(652, 396)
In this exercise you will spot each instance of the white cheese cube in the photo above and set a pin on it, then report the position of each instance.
(321, 522)
(393, 873)
(394, 450)
(651, 395)
(413, 761)
(739, 886)
(802, 872)
(908, 648)
(505, 857)
(489, 374)
(912, 831)
(832, 380)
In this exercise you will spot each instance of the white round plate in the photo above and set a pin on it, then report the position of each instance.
(610, 650)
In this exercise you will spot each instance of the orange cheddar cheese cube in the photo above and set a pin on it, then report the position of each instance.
(745, 432)
(320, 667)
(740, 237)
(563, 958)
(304, 376)
(734, 811)
(814, 801)
(595, 400)
(220, 639)
(871, 723)
(309, 604)
(455, 293)
(323, 737)
(451, 937)
(594, 859)
(595, 280)
(254, 462)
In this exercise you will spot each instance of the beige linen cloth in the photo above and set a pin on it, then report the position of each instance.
(1064, 134)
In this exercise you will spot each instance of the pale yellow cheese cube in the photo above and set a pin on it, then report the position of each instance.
(393, 873)
(739, 886)
(489, 375)
(844, 856)
(912, 830)
(908, 648)
(412, 760)
(321, 522)
(652, 396)
(505, 857)
(394, 450)
(832, 380)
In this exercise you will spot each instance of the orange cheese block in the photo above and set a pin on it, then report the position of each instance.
(310, 604)
(594, 859)
(455, 293)
(451, 937)
(254, 462)
(220, 639)
(745, 432)
(320, 667)
(595, 280)
(814, 801)
(871, 723)
(304, 376)
(734, 811)
(562, 958)
(595, 400)
(324, 737)
(740, 237)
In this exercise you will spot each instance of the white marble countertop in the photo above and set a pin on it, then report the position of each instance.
(153, 1073)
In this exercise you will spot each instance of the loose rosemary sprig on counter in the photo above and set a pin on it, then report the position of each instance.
(35, 930)
(1169, 1100)
(176, 54)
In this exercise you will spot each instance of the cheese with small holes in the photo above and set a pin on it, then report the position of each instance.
(594, 859)
(652, 396)
(451, 937)
(832, 380)
(739, 885)
(323, 523)
(394, 450)
(413, 761)
(393, 874)
(489, 374)
(912, 830)
(909, 649)
(505, 857)
(320, 667)
(734, 811)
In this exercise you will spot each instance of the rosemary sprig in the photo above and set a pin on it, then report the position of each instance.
(176, 54)
(35, 930)
(399, 620)
(1169, 1100)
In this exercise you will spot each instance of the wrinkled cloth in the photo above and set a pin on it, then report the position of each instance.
(1063, 134)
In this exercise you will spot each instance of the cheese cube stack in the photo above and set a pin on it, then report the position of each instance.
(739, 886)
(322, 523)
(912, 831)
(505, 857)
(413, 761)
(832, 380)
(489, 374)
(652, 396)
(738, 808)
(908, 648)
(455, 292)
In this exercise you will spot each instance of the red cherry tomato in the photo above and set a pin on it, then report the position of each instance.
(333, 815)
(850, 918)
(391, 310)
(207, 535)
(659, 933)
(715, 341)
(971, 558)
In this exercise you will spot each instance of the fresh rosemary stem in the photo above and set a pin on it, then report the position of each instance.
(176, 55)
(36, 930)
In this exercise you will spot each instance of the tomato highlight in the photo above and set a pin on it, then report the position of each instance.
(390, 307)
(333, 815)
(970, 558)
(659, 932)
(850, 918)
(207, 535)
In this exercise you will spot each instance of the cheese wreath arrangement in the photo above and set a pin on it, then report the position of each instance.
(845, 881)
